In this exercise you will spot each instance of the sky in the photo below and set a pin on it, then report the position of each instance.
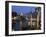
(23, 9)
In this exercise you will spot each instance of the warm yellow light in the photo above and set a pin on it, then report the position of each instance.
(14, 18)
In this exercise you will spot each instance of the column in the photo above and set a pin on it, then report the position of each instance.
(31, 20)
(38, 21)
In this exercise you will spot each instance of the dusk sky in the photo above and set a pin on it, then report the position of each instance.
(23, 9)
